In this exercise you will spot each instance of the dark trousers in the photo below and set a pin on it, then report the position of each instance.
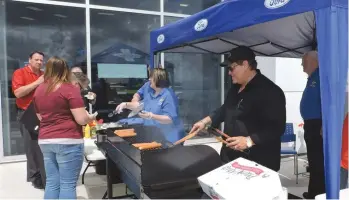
(35, 161)
(314, 142)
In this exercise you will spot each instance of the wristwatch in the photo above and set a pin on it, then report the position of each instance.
(248, 142)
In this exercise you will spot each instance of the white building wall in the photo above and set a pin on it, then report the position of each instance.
(288, 74)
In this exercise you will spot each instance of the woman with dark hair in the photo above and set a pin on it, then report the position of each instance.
(160, 106)
(81, 81)
(62, 113)
(78, 76)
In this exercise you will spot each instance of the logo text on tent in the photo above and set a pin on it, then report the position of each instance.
(273, 4)
(201, 25)
(161, 39)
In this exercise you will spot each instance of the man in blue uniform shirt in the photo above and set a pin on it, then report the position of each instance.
(310, 108)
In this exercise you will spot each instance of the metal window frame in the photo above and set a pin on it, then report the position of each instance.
(87, 6)
(2, 4)
(3, 158)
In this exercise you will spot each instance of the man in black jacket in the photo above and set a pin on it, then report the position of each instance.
(254, 113)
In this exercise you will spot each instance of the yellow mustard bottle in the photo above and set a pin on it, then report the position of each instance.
(87, 131)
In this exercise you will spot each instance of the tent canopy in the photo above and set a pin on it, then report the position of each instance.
(287, 31)
(282, 28)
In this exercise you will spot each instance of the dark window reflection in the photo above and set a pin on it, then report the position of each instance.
(134, 4)
(188, 6)
(55, 30)
(119, 55)
(196, 81)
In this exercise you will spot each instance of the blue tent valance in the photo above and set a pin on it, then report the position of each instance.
(282, 28)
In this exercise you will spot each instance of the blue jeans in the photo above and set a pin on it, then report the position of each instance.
(344, 178)
(63, 164)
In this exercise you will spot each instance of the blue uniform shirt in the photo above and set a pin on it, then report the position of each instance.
(165, 103)
(310, 106)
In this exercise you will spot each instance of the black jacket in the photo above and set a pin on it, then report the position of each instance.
(258, 111)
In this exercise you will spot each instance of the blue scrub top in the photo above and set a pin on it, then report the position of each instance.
(310, 105)
(165, 103)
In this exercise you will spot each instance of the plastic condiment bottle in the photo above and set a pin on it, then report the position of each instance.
(87, 131)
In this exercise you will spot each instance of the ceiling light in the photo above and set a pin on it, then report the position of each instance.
(34, 8)
(59, 15)
(103, 13)
(27, 18)
(184, 5)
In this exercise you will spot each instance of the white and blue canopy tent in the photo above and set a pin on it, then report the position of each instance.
(282, 28)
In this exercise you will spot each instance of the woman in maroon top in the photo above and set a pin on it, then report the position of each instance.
(61, 111)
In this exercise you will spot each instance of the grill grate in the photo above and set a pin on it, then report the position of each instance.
(131, 140)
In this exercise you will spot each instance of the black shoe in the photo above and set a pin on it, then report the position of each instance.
(305, 195)
(37, 186)
(37, 183)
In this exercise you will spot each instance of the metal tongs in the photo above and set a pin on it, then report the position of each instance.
(219, 135)
(137, 110)
(209, 129)
(112, 114)
(190, 135)
(131, 114)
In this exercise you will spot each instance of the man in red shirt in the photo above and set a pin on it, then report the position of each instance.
(344, 158)
(24, 82)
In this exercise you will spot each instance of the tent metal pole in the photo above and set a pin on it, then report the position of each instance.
(293, 50)
(201, 48)
(162, 23)
(260, 44)
(227, 41)
(222, 86)
(274, 54)
(207, 40)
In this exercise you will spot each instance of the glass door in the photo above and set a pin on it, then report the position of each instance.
(25, 27)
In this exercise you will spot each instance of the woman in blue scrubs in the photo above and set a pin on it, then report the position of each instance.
(160, 106)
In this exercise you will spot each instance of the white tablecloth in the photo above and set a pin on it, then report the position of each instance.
(91, 150)
(212, 142)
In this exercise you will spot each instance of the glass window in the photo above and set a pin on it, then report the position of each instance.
(153, 5)
(169, 20)
(119, 54)
(54, 30)
(188, 6)
(196, 79)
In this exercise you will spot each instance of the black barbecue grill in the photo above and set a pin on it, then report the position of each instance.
(166, 172)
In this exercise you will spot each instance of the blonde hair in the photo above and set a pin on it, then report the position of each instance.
(56, 73)
(160, 77)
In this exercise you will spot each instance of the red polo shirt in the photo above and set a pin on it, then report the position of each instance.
(344, 159)
(22, 77)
